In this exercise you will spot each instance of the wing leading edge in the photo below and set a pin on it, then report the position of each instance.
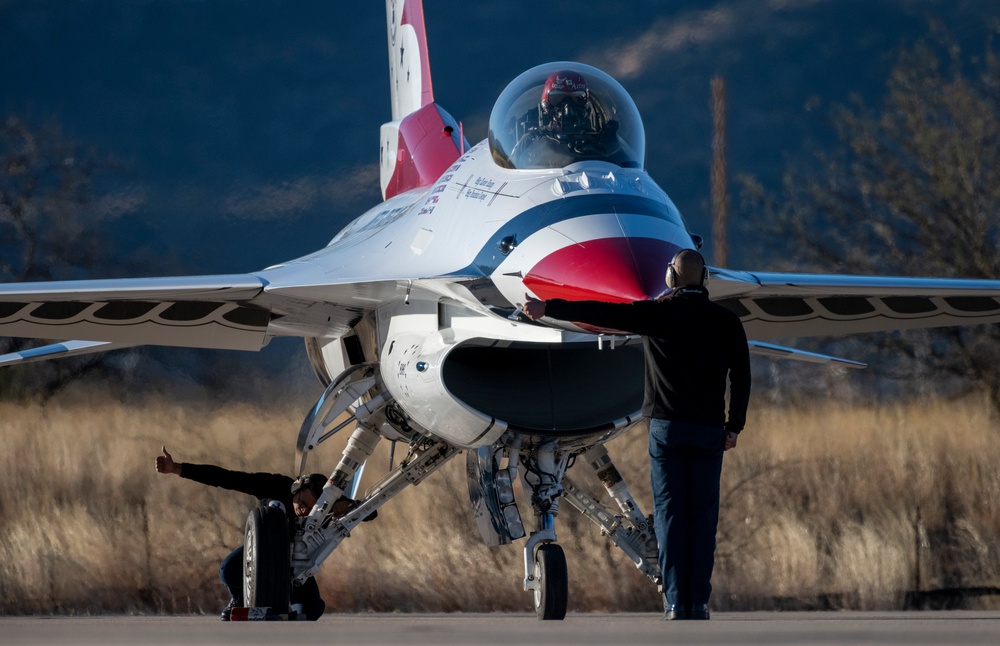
(58, 350)
(784, 306)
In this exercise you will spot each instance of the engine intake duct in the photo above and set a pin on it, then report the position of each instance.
(559, 389)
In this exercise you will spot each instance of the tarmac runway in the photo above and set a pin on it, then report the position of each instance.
(827, 628)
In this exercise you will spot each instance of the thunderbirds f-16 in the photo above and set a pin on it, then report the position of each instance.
(411, 315)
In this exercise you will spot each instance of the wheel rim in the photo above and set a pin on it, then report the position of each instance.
(248, 570)
(539, 583)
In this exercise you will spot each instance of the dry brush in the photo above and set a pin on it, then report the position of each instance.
(824, 506)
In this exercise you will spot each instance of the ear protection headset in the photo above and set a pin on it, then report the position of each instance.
(672, 278)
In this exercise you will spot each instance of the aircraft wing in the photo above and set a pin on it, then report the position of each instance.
(230, 312)
(195, 311)
(784, 306)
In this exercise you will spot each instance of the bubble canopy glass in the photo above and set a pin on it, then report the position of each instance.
(558, 114)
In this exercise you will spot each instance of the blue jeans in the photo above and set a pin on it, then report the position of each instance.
(685, 467)
(231, 573)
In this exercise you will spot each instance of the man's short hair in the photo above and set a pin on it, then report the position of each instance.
(314, 482)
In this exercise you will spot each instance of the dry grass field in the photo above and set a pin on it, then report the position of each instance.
(824, 506)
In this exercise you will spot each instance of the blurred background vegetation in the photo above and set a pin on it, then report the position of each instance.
(826, 507)
(911, 189)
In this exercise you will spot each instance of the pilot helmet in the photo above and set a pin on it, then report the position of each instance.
(565, 96)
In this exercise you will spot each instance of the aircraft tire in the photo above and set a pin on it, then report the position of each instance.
(266, 560)
(551, 597)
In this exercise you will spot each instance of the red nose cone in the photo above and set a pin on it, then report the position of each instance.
(617, 270)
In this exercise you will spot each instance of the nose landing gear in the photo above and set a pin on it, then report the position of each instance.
(545, 573)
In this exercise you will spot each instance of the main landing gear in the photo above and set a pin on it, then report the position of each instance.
(266, 560)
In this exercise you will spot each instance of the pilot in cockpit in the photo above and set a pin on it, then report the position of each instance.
(569, 125)
(559, 114)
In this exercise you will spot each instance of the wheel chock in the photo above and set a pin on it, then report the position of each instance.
(259, 614)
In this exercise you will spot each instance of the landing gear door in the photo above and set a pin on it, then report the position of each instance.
(492, 497)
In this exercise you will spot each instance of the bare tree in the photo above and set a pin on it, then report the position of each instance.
(50, 220)
(913, 189)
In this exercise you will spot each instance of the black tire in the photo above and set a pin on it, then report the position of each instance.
(552, 595)
(266, 560)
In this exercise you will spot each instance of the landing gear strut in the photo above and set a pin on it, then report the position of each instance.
(545, 567)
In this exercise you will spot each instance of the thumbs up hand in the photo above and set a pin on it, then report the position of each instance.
(165, 463)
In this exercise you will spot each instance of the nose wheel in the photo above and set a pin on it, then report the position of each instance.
(551, 589)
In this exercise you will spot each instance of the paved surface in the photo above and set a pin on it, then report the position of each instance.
(910, 628)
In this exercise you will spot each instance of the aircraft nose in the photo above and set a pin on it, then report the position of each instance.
(613, 269)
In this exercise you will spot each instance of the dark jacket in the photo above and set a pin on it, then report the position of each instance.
(263, 486)
(691, 346)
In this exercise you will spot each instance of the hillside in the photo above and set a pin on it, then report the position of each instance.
(246, 132)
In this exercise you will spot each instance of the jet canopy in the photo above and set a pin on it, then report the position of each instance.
(557, 114)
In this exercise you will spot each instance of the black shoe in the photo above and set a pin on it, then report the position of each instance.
(228, 610)
(675, 612)
(316, 611)
(699, 611)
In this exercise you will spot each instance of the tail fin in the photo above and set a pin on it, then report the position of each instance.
(409, 69)
(422, 140)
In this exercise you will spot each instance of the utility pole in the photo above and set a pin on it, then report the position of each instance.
(720, 195)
